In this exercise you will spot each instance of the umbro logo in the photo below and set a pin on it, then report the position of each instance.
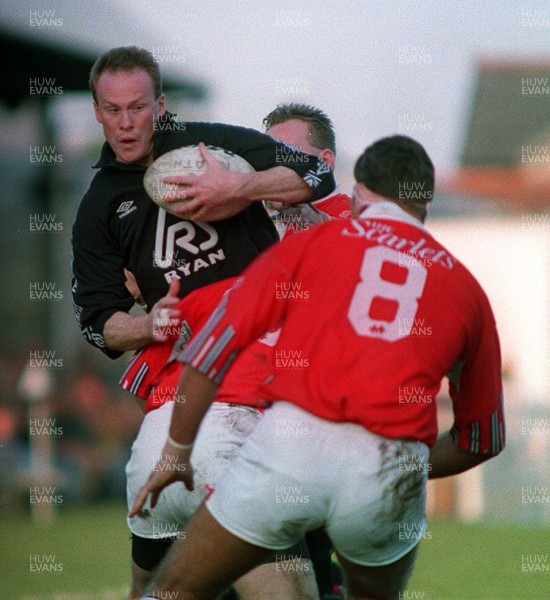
(126, 208)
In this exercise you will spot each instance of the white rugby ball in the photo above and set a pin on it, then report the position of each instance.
(186, 160)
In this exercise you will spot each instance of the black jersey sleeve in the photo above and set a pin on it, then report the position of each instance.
(260, 227)
(98, 286)
(260, 150)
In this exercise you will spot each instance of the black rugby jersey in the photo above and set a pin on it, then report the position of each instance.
(118, 226)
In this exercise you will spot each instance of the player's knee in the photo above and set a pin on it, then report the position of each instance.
(299, 576)
(135, 593)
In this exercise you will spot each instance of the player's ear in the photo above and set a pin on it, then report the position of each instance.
(328, 156)
(162, 105)
(360, 199)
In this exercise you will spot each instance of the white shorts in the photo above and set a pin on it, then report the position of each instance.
(297, 472)
(221, 435)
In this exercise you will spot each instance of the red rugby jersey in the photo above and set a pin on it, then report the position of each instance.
(153, 374)
(335, 205)
(301, 217)
(375, 313)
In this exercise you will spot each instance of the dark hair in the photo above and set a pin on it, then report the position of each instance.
(126, 58)
(397, 167)
(320, 125)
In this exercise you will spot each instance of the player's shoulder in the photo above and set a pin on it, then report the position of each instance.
(94, 200)
(472, 287)
(456, 282)
(108, 188)
(105, 182)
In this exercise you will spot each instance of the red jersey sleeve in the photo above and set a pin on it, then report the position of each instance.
(136, 378)
(152, 365)
(262, 291)
(252, 367)
(476, 389)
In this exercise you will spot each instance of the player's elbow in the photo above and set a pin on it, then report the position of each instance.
(447, 458)
(97, 340)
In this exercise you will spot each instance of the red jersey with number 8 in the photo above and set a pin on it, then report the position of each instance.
(375, 312)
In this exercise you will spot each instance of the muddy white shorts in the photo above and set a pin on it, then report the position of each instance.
(297, 472)
(221, 436)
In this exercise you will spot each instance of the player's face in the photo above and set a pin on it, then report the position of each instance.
(294, 132)
(127, 108)
(297, 133)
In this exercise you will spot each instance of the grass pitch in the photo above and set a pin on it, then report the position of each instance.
(87, 553)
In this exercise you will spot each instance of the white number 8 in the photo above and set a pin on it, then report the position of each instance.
(372, 286)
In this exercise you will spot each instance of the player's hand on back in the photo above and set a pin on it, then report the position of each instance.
(173, 465)
(305, 215)
(163, 317)
(208, 197)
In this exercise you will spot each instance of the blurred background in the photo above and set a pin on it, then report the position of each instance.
(470, 80)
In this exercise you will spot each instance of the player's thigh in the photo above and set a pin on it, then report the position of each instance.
(377, 512)
(221, 435)
(285, 574)
(170, 515)
(207, 561)
(282, 580)
(379, 583)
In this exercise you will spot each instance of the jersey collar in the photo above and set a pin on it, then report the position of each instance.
(108, 159)
(386, 209)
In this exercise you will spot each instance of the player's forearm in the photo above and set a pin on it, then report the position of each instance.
(446, 458)
(278, 184)
(193, 399)
(127, 332)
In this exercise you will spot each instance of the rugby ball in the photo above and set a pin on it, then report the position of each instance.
(186, 160)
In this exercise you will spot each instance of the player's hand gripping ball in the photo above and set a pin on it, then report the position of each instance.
(185, 161)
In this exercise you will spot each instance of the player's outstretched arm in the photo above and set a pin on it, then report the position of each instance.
(197, 393)
(173, 465)
(446, 458)
(130, 332)
(220, 194)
